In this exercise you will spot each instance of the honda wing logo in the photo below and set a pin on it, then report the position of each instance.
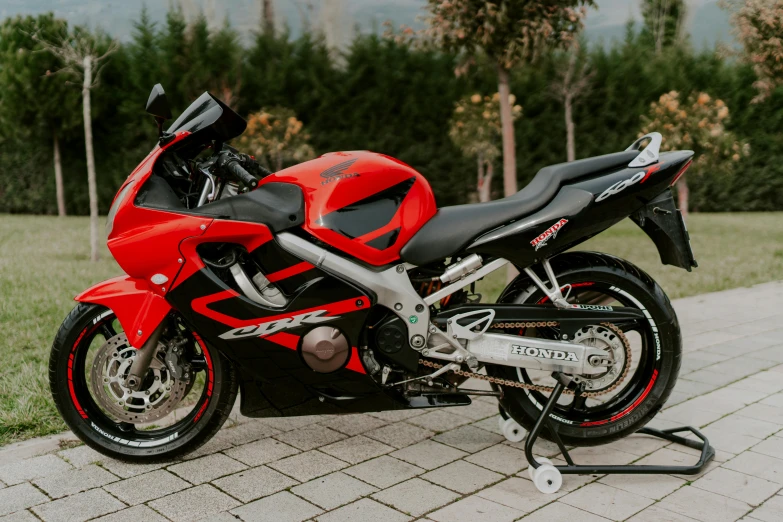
(268, 328)
(336, 172)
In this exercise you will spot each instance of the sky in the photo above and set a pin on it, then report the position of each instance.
(706, 22)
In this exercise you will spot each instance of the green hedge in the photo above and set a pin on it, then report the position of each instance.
(381, 96)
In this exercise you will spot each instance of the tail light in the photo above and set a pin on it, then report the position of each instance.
(681, 172)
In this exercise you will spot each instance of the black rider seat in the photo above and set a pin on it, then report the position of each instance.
(451, 229)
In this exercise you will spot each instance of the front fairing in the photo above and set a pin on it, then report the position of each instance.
(145, 241)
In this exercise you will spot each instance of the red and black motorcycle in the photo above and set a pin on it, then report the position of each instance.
(337, 286)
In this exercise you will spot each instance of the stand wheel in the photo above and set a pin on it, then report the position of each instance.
(511, 430)
(540, 460)
(547, 479)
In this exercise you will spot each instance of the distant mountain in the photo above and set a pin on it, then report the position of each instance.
(706, 22)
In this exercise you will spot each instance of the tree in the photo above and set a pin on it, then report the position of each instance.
(214, 61)
(697, 124)
(332, 23)
(82, 55)
(663, 21)
(199, 73)
(145, 65)
(571, 82)
(509, 32)
(475, 130)
(268, 17)
(174, 61)
(759, 28)
(275, 136)
(225, 58)
(34, 104)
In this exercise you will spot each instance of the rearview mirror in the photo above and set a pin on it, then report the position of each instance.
(157, 104)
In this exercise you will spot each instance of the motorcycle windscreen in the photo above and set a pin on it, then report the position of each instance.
(207, 112)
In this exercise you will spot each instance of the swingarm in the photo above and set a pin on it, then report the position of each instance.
(590, 341)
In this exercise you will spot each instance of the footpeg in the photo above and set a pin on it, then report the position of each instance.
(440, 371)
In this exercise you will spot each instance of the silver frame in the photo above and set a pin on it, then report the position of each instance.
(392, 286)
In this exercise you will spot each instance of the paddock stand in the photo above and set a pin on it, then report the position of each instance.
(548, 478)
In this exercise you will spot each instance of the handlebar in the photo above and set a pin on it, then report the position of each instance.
(239, 172)
(232, 165)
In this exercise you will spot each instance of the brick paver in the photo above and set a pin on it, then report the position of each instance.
(451, 465)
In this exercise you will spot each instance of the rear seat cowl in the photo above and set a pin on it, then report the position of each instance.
(451, 229)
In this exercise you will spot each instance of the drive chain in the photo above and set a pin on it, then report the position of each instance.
(539, 387)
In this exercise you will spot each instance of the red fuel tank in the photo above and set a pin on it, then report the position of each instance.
(368, 205)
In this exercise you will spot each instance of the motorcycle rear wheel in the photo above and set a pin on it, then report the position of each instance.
(71, 366)
(599, 279)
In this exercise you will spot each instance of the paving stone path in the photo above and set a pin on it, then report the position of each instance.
(452, 465)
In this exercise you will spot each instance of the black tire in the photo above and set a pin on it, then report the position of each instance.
(646, 389)
(121, 441)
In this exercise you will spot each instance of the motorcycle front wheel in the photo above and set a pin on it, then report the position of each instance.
(166, 417)
(623, 400)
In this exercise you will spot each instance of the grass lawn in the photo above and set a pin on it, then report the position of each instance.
(732, 250)
(44, 263)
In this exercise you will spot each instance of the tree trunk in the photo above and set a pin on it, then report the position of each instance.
(569, 121)
(58, 177)
(485, 187)
(509, 147)
(479, 176)
(568, 102)
(92, 187)
(682, 196)
(507, 126)
(268, 16)
(663, 14)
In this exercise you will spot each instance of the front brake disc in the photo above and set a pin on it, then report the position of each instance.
(158, 395)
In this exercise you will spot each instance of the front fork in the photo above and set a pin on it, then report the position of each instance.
(142, 361)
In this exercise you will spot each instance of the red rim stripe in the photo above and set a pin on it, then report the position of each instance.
(71, 388)
(575, 285)
(210, 376)
(630, 408)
